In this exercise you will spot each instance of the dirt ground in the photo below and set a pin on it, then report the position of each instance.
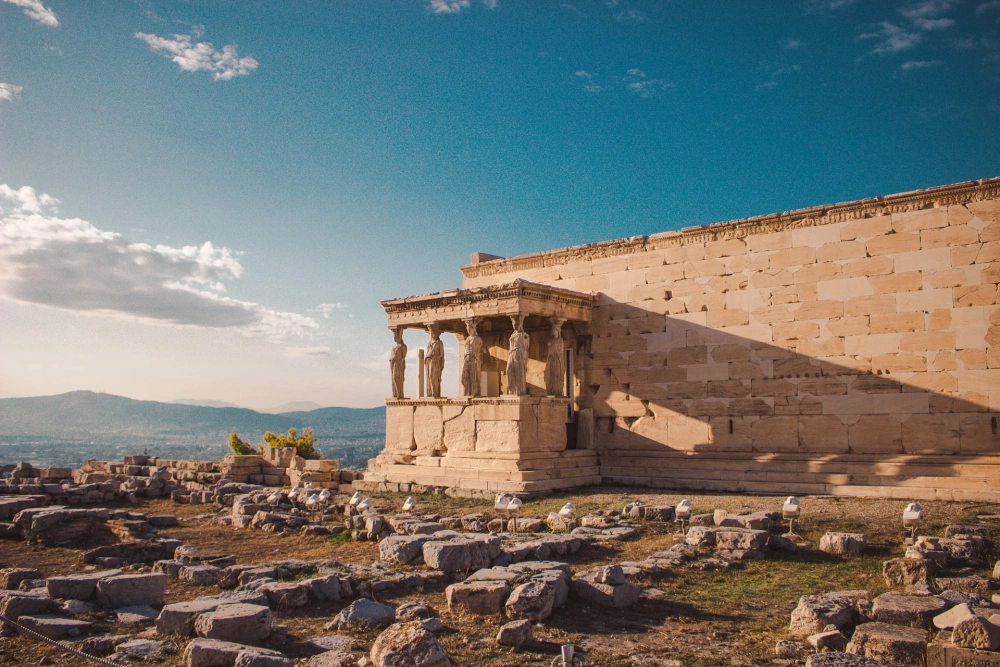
(702, 618)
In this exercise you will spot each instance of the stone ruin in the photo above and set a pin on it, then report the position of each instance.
(842, 349)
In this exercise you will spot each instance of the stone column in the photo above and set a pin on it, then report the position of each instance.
(555, 369)
(434, 360)
(471, 363)
(397, 364)
(420, 373)
(517, 358)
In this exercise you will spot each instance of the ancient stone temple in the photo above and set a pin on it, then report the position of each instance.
(846, 349)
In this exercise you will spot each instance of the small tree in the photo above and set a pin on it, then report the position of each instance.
(304, 444)
(240, 447)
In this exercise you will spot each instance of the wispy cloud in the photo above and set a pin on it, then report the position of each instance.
(325, 309)
(816, 6)
(36, 10)
(918, 17)
(892, 38)
(9, 91)
(590, 86)
(201, 56)
(448, 6)
(69, 264)
(633, 16)
(636, 82)
(775, 72)
(987, 6)
(926, 14)
(918, 64)
(305, 352)
(793, 44)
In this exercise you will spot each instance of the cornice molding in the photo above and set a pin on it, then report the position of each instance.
(512, 290)
(945, 195)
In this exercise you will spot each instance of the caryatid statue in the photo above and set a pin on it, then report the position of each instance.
(434, 361)
(517, 359)
(472, 363)
(555, 372)
(397, 363)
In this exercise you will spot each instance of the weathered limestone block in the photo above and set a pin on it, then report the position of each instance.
(215, 653)
(401, 549)
(143, 649)
(408, 645)
(950, 618)
(363, 613)
(332, 658)
(831, 659)
(515, 633)
(54, 627)
(842, 544)
(178, 618)
(11, 577)
(132, 590)
(532, 601)
(699, 535)
(916, 611)
(606, 595)
(731, 540)
(14, 604)
(478, 597)
(892, 643)
(77, 586)
(976, 585)
(244, 622)
(323, 588)
(200, 575)
(976, 632)
(833, 640)
(281, 595)
(255, 659)
(428, 429)
(815, 612)
(460, 430)
(907, 571)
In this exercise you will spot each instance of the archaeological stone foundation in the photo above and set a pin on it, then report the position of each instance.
(847, 349)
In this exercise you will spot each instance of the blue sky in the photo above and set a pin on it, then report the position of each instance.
(334, 154)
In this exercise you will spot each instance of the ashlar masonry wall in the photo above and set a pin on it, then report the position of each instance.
(848, 349)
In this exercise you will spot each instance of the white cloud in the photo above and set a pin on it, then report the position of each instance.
(986, 6)
(9, 91)
(793, 44)
(70, 264)
(893, 38)
(633, 16)
(918, 64)
(448, 6)
(325, 309)
(926, 14)
(202, 56)
(815, 6)
(636, 81)
(36, 10)
(491, 4)
(305, 352)
(590, 86)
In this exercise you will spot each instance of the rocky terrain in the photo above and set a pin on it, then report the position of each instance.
(238, 574)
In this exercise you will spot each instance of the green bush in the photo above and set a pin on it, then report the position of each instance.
(304, 445)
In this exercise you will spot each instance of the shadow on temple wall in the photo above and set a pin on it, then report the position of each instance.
(676, 400)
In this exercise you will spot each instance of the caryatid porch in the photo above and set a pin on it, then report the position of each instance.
(514, 427)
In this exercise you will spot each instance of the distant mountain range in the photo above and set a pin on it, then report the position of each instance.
(67, 429)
